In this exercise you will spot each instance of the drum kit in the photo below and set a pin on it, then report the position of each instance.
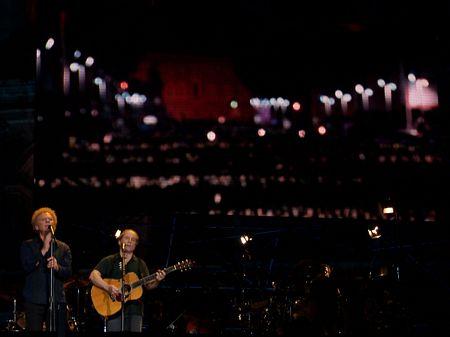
(286, 305)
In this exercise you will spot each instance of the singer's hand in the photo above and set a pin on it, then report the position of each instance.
(46, 243)
(53, 263)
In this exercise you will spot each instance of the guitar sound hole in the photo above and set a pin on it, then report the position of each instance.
(127, 290)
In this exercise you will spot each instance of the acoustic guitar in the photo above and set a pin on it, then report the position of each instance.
(107, 305)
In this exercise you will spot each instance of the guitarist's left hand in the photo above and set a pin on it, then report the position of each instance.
(160, 275)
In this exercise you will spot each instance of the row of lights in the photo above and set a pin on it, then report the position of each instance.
(261, 132)
(365, 93)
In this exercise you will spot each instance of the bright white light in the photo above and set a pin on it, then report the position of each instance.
(359, 88)
(150, 120)
(322, 130)
(89, 61)
(347, 98)
(411, 78)
(331, 100)
(302, 133)
(74, 67)
(77, 54)
(374, 233)
(388, 210)
(296, 106)
(117, 234)
(233, 104)
(98, 81)
(255, 102)
(368, 92)
(261, 132)
(381, 83)
(49, 44)
(392, 86)
(245, 238)
(338, 93)
(135, 99)
(324, 99)
(38, 53)
(211, 135)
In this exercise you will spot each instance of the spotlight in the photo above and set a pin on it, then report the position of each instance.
(245, 239)
(374, 232)
(388, 210)
(117, 234)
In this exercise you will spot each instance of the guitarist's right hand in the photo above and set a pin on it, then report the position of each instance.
(113, 291)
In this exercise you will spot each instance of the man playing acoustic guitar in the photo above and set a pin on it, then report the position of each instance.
(106, 277)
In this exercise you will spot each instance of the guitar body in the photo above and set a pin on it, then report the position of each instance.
(105, 305)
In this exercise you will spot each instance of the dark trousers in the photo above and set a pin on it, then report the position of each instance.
(37, 314)
(132, 323)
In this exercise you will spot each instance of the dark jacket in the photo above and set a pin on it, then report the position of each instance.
(37, 275)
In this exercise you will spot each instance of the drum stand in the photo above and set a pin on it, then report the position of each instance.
(12, 323)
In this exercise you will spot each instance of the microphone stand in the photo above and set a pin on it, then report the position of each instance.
(52, 313)
(122, 311)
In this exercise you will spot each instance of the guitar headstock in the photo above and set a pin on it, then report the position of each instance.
(184, 265)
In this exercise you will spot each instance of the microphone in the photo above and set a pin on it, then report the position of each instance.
(52, 230)
(123, 246)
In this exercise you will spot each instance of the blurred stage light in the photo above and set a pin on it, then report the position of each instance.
(150, 120)
(123, 85)
(322, 130)
(374, 232)
(117, 233)
(245, 239)
(74, 66)
(211, 135)
(89, 61)
(388, 210)
(296, 106)
(50, 43)
(217, 198)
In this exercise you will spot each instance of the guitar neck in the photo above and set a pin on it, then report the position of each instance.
(150, 277)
